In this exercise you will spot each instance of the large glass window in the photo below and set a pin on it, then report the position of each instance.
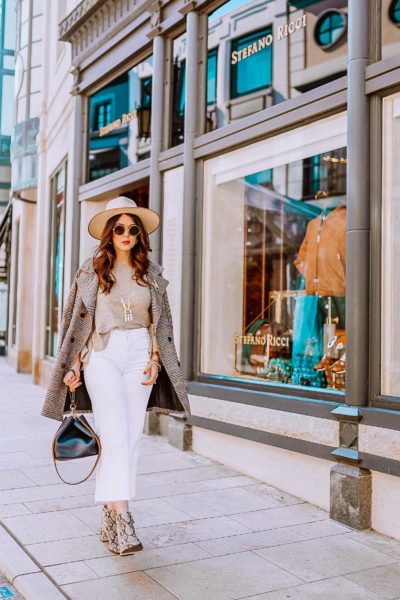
(266, 54)
(274, 262)
(119, 122)
(390, 319)
(178, 89)
(56, 259)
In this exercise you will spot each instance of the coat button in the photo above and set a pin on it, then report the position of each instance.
(72, 340)
(179, 364)
(169, 338)
(82, 315)
(63, 365)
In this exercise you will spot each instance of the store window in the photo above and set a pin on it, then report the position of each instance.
(119, 122)
(274, 262)
(212, 76)
(265, 55)
(178, 89)
(56, 259)
(390, 315)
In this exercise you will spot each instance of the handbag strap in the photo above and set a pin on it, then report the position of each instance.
(95, 464)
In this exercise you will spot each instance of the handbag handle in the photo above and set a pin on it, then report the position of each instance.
(91, 431)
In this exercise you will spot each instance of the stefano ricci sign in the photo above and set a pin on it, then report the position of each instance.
(282, 32)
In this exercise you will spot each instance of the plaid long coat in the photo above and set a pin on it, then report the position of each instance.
(168, 393)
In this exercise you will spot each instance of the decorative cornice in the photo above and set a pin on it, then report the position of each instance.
(155, 19)
(188, 6)
(73, 19)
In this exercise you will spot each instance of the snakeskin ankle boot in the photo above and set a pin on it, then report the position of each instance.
(108, 532)
(128, 541)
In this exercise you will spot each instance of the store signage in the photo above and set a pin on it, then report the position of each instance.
(118, 122)
(283, 32)
(273, 341)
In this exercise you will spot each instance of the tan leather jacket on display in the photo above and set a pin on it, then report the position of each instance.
(323, 263)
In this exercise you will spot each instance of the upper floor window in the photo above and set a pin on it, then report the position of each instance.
(212, 61)
(178, 89)
(102, 115)
(251, 63)
(394, 12)
(330, 28)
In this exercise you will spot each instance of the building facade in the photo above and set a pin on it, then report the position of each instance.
(265, 133)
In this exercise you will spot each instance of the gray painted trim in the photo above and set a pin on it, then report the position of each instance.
(367, 461)
(265, 437)
(381, 464)
(386, 83)
(324, 91)
(358, 210)
(264, 399)
(157, 103)
(171, 158)
(189, 195)
(381, 67)
(272, 124)
(375, 169)
(115, 182)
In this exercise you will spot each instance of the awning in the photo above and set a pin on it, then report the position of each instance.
(5, 223)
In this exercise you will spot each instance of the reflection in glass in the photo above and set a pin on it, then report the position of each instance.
(273, 54)
(178, 89)
(119, 122)
(279, 237)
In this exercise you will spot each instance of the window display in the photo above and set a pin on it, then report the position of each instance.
(274, 273)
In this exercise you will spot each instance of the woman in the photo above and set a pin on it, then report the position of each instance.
(117, 331)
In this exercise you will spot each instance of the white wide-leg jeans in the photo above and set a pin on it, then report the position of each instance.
(113, 379)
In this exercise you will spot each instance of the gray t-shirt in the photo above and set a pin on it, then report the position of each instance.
(127, 306)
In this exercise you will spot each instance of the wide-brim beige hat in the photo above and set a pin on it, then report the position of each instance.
(123, 205)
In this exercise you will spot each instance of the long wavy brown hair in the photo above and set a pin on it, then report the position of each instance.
(104, 256)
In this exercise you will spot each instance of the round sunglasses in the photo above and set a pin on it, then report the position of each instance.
(120, 229)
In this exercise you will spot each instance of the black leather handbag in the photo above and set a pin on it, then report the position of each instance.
(75, 438)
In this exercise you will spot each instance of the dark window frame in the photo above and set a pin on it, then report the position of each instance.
(326, 14)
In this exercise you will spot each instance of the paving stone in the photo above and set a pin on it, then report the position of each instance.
(144, 492)
(219, 502)
(377, 542)
(323, 558)
(229, 482)
(337, 588)
(131, 586)
(383, 581)
(13, 559)
(280, 517)
(13, 510)
(37, 585)
(59, 504)
(45, 527)
(223, 577)
(14, 478)
(193, 531)
(277, 496)
(68, 550)
(271, 537)
(71, 471)
(146, 559)
(71, 572)
(45, 492)
(193, 474)
(163, 463)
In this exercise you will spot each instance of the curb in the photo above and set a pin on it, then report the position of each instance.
(23, 572)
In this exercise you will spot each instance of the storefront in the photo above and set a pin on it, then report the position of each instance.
(266, 134)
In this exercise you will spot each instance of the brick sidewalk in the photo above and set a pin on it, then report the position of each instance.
(209, 532)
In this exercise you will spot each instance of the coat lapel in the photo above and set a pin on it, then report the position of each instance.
(88, 285)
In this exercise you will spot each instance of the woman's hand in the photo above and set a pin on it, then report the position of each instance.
(73, 378)
(152, 371)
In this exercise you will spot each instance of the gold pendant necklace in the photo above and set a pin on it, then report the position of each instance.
(128, 315)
